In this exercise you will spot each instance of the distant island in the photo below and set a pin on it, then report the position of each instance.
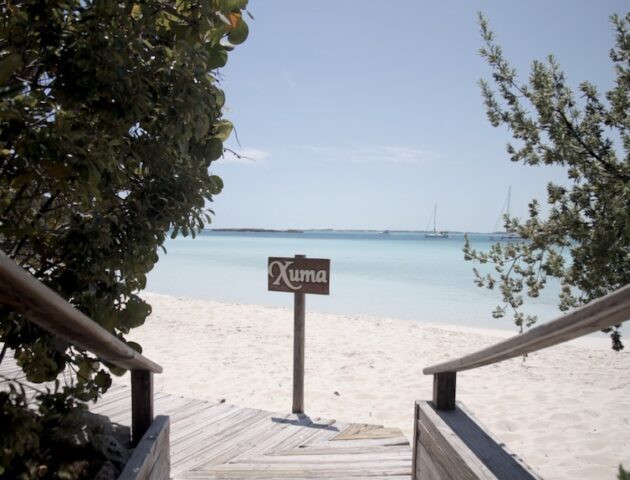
(255, 230)
(332, 230)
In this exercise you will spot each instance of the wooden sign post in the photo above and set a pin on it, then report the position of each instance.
(298, 275)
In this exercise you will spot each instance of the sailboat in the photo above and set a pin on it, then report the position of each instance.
(507, 235)
(435, 233)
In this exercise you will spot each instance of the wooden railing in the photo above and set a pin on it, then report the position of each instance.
(449, 444)
(25, 294)
(596, 315)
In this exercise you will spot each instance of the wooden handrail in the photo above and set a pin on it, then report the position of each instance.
(601, 313)
(607, 311)
(28, 296)
(42, 306)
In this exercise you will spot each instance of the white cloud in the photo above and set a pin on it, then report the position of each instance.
(248, 156)
(379, 154)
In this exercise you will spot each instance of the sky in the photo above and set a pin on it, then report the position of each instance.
(364, 114)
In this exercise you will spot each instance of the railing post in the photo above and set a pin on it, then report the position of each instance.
(444, 390)
(141, 403)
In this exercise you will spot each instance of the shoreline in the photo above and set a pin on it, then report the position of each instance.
(565, 411)
(597, 340)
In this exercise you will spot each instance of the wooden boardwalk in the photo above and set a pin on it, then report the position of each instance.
(221, 441)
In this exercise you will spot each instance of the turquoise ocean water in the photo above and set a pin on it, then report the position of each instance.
(400, 275)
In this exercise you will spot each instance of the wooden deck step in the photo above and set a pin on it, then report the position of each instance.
(222, 441)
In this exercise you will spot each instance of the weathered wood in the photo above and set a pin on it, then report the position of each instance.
(28, 296)
(141, 403)
(415, 442)
(282, 433)
(452, 445)
(298, 274)
(296, 435)
(444, 386)
(209, 440)
(151, 458)
(233, 446)
(192, 451)
(398, 445)
(363, 431)
(299, 336)
(604, 312)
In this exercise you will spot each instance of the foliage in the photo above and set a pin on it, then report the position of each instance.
(585, 241)
(111, 117)
(58, 440)
(623, 474)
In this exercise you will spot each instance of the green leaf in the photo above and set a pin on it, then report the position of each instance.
(9, 65)
(217, 184)
(136, 12)
(223, 129)
(214, 149)
(103, 380)
(217, 57)
(136, 346)
(116, 370)
(231, 5)
(239, 32)
(201, 127)
(219, 95)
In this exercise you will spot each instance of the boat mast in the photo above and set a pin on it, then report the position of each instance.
(434, 216)
(507, 212)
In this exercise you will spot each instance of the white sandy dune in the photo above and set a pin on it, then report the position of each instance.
(565, 411)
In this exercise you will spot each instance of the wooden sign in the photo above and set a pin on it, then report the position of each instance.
(298, 275)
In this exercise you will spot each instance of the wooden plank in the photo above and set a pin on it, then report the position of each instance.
(425, 468)
(204, 435)
(318, 469)
(152, 450)
(182, 452)
(192, 451)
(204, 420)
(452, 445)
(363, 431)
(178, 408)
(356, 445)
(496, 456)
(211, 428)
(444, 386)
(197, 417)
(240, 443)
(283, 433)
(321, 431)
(141, 403)
(398, 474)
(604, 312)
(340, 459)
(352, 450)
(415, 442)
(112, 403)
(443, 453)
(28, 296)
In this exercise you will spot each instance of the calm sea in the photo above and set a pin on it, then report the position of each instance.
(400, 275)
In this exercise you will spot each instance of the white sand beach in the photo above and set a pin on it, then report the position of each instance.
(565, 411)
